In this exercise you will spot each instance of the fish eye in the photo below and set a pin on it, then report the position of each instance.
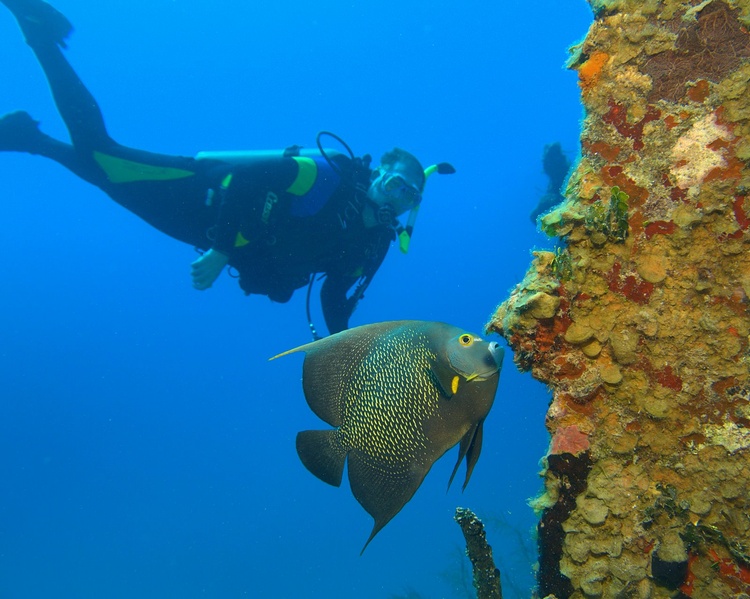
(465, 340)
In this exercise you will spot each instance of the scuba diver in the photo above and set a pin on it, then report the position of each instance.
(281, 219)
(556, 166)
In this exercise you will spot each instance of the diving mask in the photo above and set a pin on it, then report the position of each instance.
(396, 187)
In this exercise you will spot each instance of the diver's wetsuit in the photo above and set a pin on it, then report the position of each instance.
(284, 219)
(279, 221)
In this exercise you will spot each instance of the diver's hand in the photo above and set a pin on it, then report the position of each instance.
(207, 268)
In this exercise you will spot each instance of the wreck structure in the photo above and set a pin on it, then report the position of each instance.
(640, 321)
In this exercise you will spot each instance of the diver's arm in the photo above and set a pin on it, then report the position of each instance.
(237, 194)
(207, 268)
(337, 308)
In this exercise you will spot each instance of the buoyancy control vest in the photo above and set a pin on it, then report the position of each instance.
(282, 260)
(316, 178)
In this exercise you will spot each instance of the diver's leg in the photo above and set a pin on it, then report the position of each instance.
(175, 205)
(20, 133)
(45, 30)
(168, 192)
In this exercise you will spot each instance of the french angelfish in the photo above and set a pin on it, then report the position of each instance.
(400, 395)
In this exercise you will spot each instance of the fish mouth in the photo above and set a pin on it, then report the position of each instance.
(480, 376)
(493, 362)
(497, 353)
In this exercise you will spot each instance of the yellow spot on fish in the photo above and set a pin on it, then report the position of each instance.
(454, 385)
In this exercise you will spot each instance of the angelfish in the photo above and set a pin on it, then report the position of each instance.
(399, 394)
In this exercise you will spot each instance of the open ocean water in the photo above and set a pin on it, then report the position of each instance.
(146, 443)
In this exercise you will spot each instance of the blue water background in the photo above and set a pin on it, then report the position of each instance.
(146, 443)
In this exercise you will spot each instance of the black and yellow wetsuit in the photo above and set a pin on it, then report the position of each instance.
(280, 221)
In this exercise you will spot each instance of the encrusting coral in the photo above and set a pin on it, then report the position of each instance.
(640, 322)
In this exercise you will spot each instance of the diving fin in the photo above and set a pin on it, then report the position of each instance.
(40, 21)
(20, 133)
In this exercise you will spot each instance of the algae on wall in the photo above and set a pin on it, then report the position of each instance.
(640, 322)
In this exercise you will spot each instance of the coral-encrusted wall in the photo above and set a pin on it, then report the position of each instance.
(639, 323)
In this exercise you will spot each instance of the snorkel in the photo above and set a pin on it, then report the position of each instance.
(405, 233)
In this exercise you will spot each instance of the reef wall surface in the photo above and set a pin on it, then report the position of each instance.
(640, 322)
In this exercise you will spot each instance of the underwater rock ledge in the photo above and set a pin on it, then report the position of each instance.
(640, 322)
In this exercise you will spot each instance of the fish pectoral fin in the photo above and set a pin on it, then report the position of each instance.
(445, 388)
(322, 454)
(381, 488)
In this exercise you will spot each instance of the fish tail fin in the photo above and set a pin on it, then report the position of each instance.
(322, 454)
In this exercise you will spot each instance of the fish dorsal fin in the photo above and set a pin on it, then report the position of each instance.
(333, 364)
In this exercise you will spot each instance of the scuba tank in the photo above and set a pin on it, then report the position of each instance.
(403, 232)
(240, 157)
(318, 175)
(310, 162)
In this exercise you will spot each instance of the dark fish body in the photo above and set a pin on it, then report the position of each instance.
(400, 394)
